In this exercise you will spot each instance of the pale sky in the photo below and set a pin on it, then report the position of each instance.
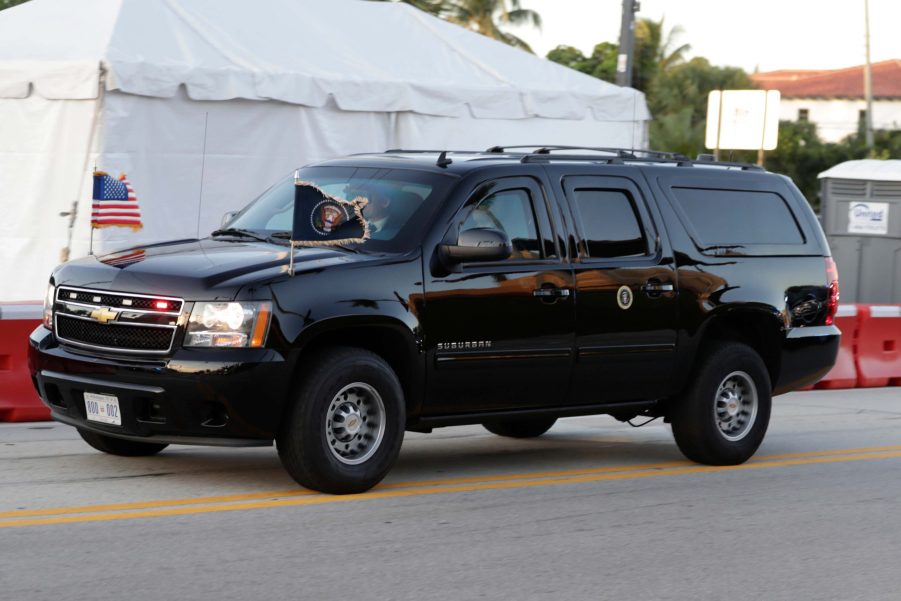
(771, 34)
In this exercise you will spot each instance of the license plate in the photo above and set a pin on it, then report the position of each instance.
(102, 408)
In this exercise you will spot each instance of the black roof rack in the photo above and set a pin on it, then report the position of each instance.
(620, 152)
(608, 155)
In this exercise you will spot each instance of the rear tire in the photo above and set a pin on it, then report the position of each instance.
(520, 427)
(120, 446)
(344, 428)
(722, 417)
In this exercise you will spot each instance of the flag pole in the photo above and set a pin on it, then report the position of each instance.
(91, 239)
(95, 124)
(291, 259)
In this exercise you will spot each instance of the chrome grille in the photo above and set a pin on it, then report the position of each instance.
(116, 301)
(115, 321)
(113, 336)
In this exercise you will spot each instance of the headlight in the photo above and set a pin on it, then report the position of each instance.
(49, 298)
(228, 324)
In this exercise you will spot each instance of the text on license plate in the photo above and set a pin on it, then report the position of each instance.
(102, 408)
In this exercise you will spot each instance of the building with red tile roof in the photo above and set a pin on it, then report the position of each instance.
(834, 98)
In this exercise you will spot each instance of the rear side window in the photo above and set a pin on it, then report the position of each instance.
(738, 217)
(610, 224)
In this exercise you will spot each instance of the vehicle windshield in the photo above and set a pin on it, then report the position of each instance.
(401, 203)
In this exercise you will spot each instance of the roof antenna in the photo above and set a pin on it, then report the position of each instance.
(443, 161)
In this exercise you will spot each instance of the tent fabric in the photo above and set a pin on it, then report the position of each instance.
(355, 54)
(204, 105)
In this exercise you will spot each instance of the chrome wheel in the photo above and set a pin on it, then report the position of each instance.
(735, 408)
(355, 423)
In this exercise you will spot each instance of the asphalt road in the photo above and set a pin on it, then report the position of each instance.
(592, 510)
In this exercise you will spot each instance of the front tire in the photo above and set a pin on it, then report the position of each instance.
(344, 428)
(722, 417)
(120, 446)
(520, 427)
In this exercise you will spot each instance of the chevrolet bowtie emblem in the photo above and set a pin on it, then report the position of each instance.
(104, 315)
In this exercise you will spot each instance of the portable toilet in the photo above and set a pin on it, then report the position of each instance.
(861, 207)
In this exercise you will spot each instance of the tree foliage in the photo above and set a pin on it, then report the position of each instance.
(656, 51)
(601, 63)
(677, 91)
(9, 3)
(488, 17)
(677, 98)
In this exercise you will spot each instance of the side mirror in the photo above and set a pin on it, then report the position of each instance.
(478, 244)
(227, 217)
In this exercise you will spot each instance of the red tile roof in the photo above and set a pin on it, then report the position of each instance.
(835, 83)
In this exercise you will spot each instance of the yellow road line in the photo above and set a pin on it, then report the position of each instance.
(381, 493)
(297, 492)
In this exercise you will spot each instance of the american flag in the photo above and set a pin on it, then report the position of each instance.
(115, 203)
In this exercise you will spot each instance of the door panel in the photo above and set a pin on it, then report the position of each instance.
(500, 335)
(626, 305)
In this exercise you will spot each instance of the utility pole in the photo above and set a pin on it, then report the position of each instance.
(626, 43)
(868, 80)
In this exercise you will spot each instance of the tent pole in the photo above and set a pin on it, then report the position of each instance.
(67, 251)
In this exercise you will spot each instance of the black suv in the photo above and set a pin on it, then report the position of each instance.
(507, 287)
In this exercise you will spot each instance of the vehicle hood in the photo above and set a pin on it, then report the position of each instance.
(205, 269)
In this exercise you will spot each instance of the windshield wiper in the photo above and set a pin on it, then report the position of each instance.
(287, 236)
(231, 231)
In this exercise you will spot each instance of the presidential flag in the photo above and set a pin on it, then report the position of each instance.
(321, 219)
(115, 203)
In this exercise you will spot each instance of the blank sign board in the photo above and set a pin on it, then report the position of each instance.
(743, 119)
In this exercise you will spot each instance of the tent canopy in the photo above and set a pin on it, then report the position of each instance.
(354, 55)
(204, 104)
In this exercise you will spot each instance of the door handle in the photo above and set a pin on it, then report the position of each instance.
(551, 292)
(654, 288)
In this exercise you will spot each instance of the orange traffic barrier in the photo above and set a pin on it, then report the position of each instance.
(844, 373)
(879, 346)
(18, 400)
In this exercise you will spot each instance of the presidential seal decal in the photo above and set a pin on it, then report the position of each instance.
(326, 216)
(624, 297)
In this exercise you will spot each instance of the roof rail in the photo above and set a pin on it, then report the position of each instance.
(620, 160)
(620, 152)
(419, 151)
(617, 156)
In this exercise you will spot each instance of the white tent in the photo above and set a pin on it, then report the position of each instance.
(204, 103)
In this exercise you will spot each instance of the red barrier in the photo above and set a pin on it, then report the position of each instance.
(844, 373)
(18, 400)
(879, 346)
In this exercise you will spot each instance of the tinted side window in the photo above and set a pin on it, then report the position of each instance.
(610, 223)
(724, 217)
(509, 211)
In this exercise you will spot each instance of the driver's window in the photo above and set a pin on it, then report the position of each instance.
(509, 211)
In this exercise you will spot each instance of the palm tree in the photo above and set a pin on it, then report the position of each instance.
(433, 7)
(655, 52)
(489, 16)
(10, 3)
(483, 16)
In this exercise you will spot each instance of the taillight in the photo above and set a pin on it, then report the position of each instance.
(832, 292)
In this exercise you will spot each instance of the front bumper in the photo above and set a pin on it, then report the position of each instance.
(807, 355)
(231, 397)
